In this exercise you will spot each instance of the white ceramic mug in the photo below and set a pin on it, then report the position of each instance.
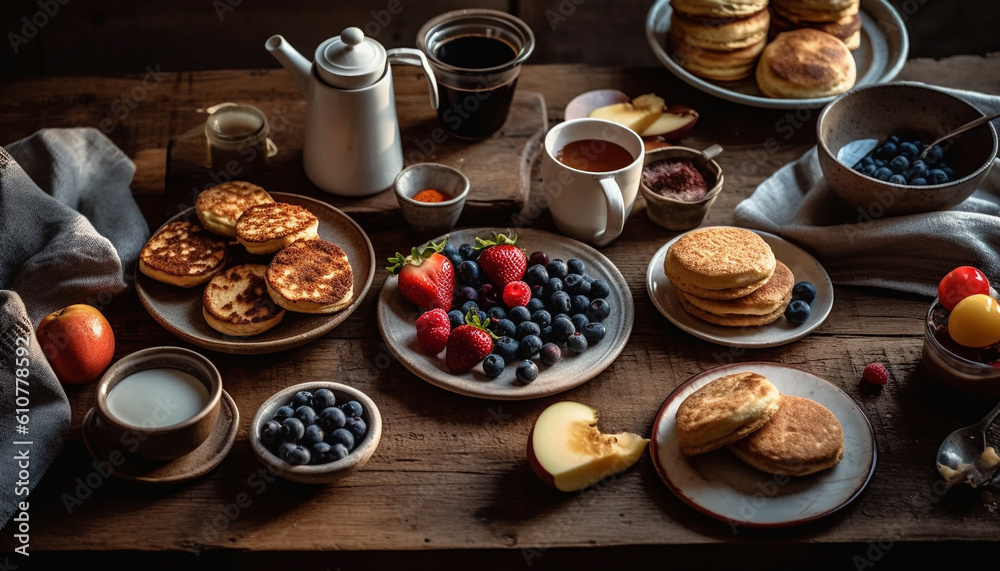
(591, 206)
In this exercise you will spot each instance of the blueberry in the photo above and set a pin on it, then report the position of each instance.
(283, 412)
(331, 418)
(599, 310)
(934, 155)
(467, 307)
(909, 149)
(804, 291)
(579, 303)
(466, 294)
(580, 321)
(883, 173)
(270, 433)
(292, 429)
(899, 163)
(594, 332)
(576, 284)
(577, 343)
(536, 275)
(323, 398)
(560, 302)
(493, 365)
(897, 179)
(550, 354)
(797, 312)
(526, 328)
(919, 181)
(937, 176)
(467, 273)
(456, 318)
(529, 346)
(468, 252)
(599, 289)
(352, 408)
(503, 328)
(894, 139)
(557, 268)
(451, 252)
(306, 414)
(869, 170)
(321, 453)
(527, 371)
(312, 435)
(284, 449)
(519, 314)
(298, 456)
(542, 317)
(535, 304)
(917, 170)
(887, 150)
(546, 335)
(506, 348)
(356, 425)
(302, 398)
(947, 171)
(552, 286)
(562, 328)
(339, 452)
(341, 436)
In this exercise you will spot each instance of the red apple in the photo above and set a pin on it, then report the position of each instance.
(569, 453)
(78, 342)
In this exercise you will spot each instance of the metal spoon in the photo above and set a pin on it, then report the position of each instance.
(960, 457)
(854, 151)
(956, 131)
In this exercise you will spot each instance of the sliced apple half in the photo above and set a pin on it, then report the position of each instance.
(673, 123)
(569, 453)
(628, 115)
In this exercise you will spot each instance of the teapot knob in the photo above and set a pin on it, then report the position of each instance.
(352, 36)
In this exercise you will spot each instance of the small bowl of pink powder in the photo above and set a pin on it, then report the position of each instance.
(679, 185)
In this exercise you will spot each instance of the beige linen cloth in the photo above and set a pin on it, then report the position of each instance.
(904, 253)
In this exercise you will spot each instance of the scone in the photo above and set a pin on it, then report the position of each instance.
(762, 306)
(721, 33)
(219, 207)
(718, 8)
(183, 253)
(724, 411)
(802, 437)
(719, 262)
(805, 64)
(311, 276)
(267, 228)
(236, 302)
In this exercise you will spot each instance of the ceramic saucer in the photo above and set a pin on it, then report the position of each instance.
(137, 469)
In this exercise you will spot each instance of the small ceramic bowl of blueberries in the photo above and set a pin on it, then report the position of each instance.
(873, 149)
(317, 432)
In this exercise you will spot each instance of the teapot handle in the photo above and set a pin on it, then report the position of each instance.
(410, 56)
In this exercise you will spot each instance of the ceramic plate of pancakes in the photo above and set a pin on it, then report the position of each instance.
(803, 267)
(397, 318)
(881, 54)
(721, 486)
(179, 309)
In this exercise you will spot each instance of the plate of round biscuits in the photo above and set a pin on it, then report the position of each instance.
(180, 309)
(722, 486)
(801, 265)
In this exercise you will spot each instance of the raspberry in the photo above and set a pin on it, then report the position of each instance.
(516, 293)
(875, 374)
(433, 329)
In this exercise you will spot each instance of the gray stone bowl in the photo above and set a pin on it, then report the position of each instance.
(909, 110)
(431, 218)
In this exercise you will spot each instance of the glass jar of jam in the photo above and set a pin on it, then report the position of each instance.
(971, 370)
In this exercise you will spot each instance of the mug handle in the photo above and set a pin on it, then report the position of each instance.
(410, 56)
(616, 212)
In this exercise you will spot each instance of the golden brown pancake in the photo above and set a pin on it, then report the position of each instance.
(762, 306)
(815, 10)
(719, 262)
(724, 411)
(219, 207)
(183, 253)
(721, 33)
(236, 302)
(805, 64)
(716, 65)
(847, 30)
(311, 276)
(718, 8)
(267, 228)
(802, 437)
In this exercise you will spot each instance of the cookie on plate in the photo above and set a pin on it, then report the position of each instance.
(725, 410)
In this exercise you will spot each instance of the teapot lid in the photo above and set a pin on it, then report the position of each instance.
(350, 60)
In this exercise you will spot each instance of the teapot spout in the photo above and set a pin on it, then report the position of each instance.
(298, 67)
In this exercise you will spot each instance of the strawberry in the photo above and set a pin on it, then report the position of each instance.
(426, 277)
(516, 293)
(501, 260)
(875, 374)
(468, 344)
(433, 329)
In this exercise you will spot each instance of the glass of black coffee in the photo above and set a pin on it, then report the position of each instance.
(476, 55)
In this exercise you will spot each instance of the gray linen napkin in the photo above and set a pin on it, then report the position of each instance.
(70, 232)
(904, 253)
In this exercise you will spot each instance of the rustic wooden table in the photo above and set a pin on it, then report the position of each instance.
(449, 484)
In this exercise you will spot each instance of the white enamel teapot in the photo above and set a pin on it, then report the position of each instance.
(352, 143)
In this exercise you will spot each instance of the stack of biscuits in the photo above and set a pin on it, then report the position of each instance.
(304, 273)
(728, 276)
(778, 434)
(839, 18)
(718, 39)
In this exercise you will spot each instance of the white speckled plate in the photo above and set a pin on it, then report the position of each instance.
(396, 318)
(803, 266)
(881, 55)
(721, 486)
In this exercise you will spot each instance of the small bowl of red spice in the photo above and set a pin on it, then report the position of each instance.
(679, 185)
(431, 197)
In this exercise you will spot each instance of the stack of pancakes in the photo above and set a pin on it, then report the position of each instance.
(728, 276)
(306, 274)
(718, 39)
(839, 18)
(775, 433)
